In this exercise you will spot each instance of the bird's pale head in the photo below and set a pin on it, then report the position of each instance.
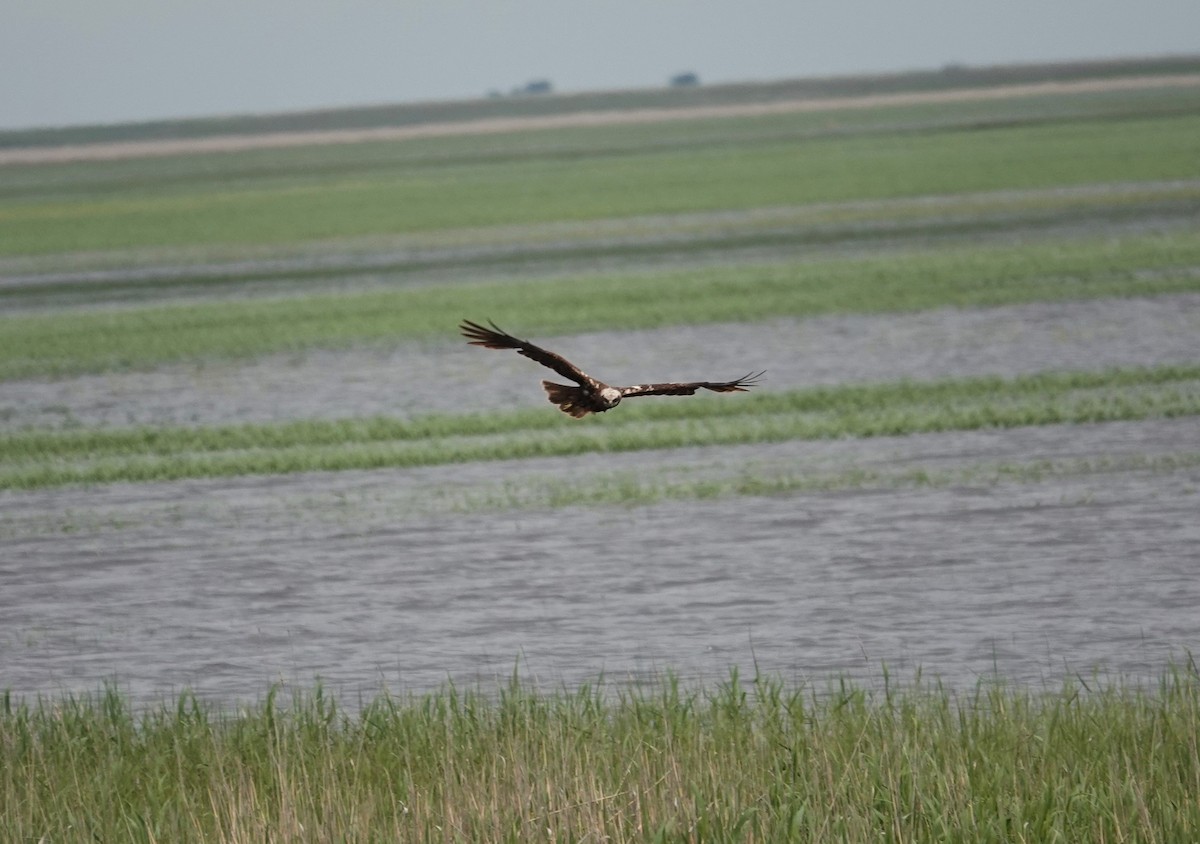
(610, 396)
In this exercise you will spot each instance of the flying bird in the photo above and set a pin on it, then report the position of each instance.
(590, 395)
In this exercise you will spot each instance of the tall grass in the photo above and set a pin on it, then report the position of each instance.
(757, 761)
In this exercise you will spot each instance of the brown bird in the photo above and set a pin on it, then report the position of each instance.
(591, 395)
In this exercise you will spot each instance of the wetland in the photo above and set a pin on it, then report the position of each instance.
(936, 574)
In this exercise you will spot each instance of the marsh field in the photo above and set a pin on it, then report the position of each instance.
(282, 558)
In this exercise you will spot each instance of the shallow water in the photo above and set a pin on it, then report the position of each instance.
(225, 586)
(400, 578)
(452, 377)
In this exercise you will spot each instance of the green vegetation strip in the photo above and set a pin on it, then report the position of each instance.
(635, 489)
(812, 232)
(605, 184)
(38, 345)
(39, 459)
(743, 761)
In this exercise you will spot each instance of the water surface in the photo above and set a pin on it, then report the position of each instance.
(363, 580)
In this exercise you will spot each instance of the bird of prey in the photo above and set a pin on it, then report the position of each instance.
(590, 395)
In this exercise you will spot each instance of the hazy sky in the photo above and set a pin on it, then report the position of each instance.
(84, 61)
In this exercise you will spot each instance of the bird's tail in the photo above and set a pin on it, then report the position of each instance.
(568, 399)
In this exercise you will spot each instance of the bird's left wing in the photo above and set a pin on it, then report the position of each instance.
(688, 388)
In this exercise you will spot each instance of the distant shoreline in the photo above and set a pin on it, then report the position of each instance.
(118, 150)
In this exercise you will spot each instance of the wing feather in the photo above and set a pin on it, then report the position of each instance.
(496, 338)
(688, 388)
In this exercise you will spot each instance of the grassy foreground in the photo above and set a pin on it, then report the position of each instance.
(741, 762)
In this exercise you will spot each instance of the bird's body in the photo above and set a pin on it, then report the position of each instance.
(589, 395)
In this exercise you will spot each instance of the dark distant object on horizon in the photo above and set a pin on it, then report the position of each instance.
(685, 80)
(591, 396)
(534, 87)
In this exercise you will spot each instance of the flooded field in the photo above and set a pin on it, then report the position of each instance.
(450, 376)
(368, 580)
(1030, 553)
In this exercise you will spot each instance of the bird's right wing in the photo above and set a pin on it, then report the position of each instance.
(497, 338)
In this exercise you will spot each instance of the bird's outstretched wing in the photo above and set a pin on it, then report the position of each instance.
(690, 387)
(497, 338)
